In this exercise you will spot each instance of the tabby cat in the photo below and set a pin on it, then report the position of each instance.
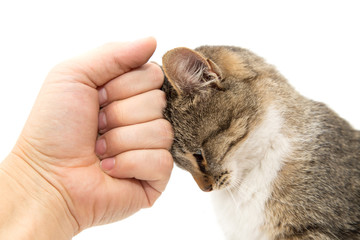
(280, 166)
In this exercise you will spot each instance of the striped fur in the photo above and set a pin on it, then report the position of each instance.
(280, 166)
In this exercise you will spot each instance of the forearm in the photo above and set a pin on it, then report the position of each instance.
(29, 207)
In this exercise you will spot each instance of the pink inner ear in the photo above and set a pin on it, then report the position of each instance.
(185, 69)
(190, 72)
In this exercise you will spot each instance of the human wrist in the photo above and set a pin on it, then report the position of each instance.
(31, 208)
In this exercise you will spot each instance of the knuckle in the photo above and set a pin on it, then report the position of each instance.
(165, 162)
(160, 97)
(157, 75)
(164, 165)
(166, 132)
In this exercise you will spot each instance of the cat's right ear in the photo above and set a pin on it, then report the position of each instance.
(189, 72)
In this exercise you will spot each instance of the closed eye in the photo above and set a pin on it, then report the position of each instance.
(199, 157)
(200, 160)
(198, 152)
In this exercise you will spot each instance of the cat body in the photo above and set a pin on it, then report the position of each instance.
(281, 166)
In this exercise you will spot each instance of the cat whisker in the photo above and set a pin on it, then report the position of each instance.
(233, 198)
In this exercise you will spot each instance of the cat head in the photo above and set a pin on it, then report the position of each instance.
(213, 101)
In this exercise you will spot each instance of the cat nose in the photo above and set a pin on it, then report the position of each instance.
(204, 182)
(207, 188)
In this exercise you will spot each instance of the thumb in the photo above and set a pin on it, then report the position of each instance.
(103, 64)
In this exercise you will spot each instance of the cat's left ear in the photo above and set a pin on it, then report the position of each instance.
(189, 72)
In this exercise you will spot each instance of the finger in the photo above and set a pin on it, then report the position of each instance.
(138, 109)
(143, 79)
(152, 165)
(156, 134)
(136, 197)
(108, 62)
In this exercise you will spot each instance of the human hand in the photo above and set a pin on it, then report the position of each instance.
(59, 148)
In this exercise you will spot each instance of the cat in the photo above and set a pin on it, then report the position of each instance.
(280, 166)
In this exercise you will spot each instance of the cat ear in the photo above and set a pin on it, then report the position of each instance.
(189, 72)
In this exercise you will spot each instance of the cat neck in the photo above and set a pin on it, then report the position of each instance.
(260, 157)
(257, 161)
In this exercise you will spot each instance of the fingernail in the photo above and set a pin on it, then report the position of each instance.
(100, 147)
(107, 164)
(102, 96)
(102, 120)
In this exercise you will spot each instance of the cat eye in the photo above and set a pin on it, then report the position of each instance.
(198, 152)
(199, 157)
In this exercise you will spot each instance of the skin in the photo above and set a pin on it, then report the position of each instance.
(62, 176)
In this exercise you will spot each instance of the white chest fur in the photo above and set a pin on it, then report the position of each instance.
(255, 164)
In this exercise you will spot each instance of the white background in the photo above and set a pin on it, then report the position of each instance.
(315, 44)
